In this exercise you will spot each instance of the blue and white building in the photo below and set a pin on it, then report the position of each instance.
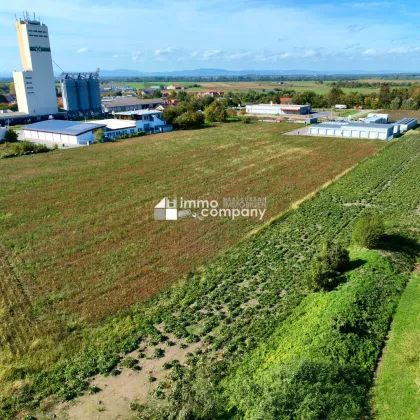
(360, 130)
(62, 132)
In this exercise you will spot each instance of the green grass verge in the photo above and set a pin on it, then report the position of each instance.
(396, 394)
(320, 362)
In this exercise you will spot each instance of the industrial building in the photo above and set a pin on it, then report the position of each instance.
(406, 124)
(376, 119)
(148, 121)
(62, 132)
(35, 85)
(124, 104)
(2, 133)
(356, 130)
(81, 92)
(278, 109)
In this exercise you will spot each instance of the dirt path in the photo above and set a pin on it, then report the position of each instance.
(117, 392)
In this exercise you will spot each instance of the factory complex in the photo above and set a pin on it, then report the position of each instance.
(65, 133)
(374, 126)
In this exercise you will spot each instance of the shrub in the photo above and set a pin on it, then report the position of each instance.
(129, 362)
(159, 353)
(368, 231)
(99, 135)
(189, 120)
(246, 119)
(10, 136)
(331, 260)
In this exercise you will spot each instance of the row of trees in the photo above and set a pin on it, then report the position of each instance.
(387, 98)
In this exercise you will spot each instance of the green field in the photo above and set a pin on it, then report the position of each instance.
(77, 231)
(266, 345)
(231, 306)
(396, 392)
(255, 86)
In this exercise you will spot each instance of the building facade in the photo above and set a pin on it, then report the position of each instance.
(2, 133)
(125, 104)
(35, 85)
(145, 120)
(276, 109)
(62, 132)
(356, 130)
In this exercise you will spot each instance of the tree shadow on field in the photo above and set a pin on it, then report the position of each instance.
(353, 264)
(399, 243)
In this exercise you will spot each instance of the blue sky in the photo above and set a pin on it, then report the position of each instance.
(161, 35)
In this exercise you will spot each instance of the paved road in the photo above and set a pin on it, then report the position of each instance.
(299, 132)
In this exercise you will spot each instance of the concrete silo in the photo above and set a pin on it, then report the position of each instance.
(69, 93)
(83, 94)
(94, 93)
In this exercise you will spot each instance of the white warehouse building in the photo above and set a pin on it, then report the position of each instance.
(356, 130)
(61, 132)
(278, 109)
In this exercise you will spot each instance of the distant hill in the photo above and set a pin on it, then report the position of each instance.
(223, 72)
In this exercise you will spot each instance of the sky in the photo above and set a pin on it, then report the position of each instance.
(163, 35)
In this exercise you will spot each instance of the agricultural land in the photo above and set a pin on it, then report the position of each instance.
(69, 268)
(79, 241)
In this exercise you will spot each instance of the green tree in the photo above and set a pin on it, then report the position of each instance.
(3, 99)
(13, 108)
(171, 113)
(335, 96)
(215, 112)
(189, 120)
(384, 95)
(99, 135)
(368, 231)
(331, 260)
(395, 103)
(409, 104)
(10, 136)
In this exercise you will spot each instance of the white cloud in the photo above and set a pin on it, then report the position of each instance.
(208, 54)
(82, 50)
(238, 55)
(164, 51)
(372, 52)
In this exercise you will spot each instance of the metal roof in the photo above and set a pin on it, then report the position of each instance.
(356, 125)
(139, 112)
(130, 101)
(113, 124)
(406, 121)
(72, 128)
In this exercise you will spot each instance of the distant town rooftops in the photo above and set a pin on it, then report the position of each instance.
(72, 128)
